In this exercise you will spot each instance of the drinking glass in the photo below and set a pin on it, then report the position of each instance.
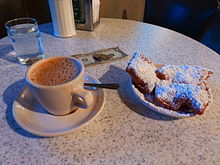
(25, 36)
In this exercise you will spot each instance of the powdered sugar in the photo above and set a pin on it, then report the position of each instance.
(144, 69)
(183, 74)
(178, 94)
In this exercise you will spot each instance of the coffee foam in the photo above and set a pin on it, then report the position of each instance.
(54, 71)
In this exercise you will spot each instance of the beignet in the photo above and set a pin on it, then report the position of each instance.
(179, 88)
(184, 74)
(142, 71)
(174, 96)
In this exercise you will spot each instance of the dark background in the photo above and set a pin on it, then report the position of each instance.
(11, 9)
(39, 9)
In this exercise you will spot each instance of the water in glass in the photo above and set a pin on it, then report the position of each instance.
(27, 42)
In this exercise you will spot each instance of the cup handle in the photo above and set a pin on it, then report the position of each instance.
(82, 98)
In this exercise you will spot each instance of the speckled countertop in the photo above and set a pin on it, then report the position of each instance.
(125, 132)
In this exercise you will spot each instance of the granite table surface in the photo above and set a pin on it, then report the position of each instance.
(125, 132)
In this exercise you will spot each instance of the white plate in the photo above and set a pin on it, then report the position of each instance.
(30, 116)
(164, 111)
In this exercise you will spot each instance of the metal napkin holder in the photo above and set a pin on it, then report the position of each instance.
(84, 14)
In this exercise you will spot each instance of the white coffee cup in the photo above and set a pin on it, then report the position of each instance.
(63, 98)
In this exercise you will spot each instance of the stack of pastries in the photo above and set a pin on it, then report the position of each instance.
(179, 88)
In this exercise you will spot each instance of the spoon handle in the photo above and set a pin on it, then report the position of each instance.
(108, 86)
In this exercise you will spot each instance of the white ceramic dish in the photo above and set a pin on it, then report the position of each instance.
(161, 110)
(29, 114)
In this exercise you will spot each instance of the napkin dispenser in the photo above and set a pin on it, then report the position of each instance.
(86, 14)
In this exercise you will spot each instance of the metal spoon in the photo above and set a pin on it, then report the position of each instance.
(108, 86)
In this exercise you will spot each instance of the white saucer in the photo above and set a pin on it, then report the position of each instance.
(161, 110)
(30, 116)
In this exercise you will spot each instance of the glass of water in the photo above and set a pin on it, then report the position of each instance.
(25, 36)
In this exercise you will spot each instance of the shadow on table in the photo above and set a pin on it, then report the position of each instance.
(47, 28)
(119, 75)
(9, 95)
(4, 50)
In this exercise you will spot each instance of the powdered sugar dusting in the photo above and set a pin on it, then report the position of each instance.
(178, 94)
(184, 74)
(144, 69)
